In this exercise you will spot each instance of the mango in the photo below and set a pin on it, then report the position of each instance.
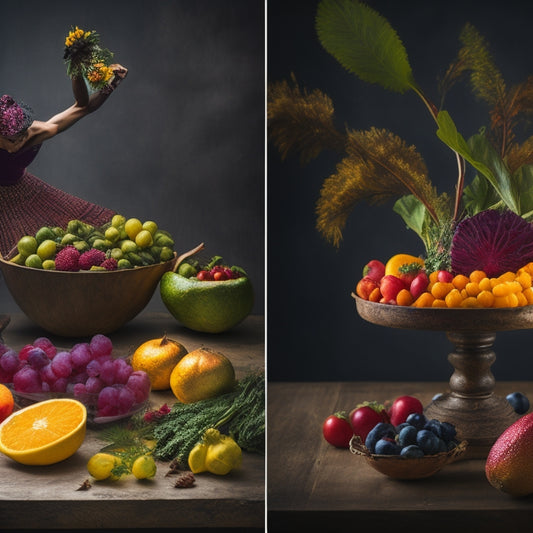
(509, 465)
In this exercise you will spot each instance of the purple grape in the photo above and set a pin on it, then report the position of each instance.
(79, 377)
(9, 361)
(139, 383)
(101, 345)
(108, 372)
(79, 389)
(5, 377)
(27, 380)
(62, 365)
(59, 385)
(93, 368)
(45, 387)
(126, 400)
(123, 371)
(108, 401)
(47, 374)
(37, 358)
(93, 385)
(80, 355)
(46, 345)
(23, 353)
(3, 349)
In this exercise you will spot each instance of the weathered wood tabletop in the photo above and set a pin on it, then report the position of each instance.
(313, 486)
(48, 497)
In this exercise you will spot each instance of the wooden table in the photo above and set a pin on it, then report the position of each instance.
(47, 497)
(313, 486)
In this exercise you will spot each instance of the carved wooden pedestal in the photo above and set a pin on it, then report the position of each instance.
(478, 414)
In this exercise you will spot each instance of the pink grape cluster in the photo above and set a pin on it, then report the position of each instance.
(88, 371)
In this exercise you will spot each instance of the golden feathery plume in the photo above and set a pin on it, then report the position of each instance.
(379, 166)
(487, 81)
(301, 121)
(520, 155)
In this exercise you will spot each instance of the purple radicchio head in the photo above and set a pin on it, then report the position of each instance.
(492, 241)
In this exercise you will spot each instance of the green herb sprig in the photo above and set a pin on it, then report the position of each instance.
(240, 413)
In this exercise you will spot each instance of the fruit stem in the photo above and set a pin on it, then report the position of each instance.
(187, 254)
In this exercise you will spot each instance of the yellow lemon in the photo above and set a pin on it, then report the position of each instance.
(144, 467)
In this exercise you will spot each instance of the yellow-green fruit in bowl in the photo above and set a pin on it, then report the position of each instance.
(207, 306)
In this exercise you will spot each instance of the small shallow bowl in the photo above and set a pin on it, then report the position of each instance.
(84, 303)
(23, 399)
(398, 467)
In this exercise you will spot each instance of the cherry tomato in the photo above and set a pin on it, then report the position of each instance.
(365, 286)
(364, 419)
(374, 269)
(444, 276)
(419, 285)
(402, 407)
(390, 286)
(337, 430)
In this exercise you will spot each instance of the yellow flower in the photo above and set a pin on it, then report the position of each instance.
(76, 34)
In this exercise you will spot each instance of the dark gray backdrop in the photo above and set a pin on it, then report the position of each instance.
(180, 142)
(314, 332)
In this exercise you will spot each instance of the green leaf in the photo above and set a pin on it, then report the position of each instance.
(479, 196)
(482, 156)
(364, 43)
(415, 215)
(523, 178)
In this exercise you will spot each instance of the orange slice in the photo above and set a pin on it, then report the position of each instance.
(44, 433)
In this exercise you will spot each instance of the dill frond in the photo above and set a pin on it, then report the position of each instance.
(379, 166)
(300, 121)
(240, 412)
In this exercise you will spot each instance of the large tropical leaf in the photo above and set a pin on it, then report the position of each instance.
(364, 43)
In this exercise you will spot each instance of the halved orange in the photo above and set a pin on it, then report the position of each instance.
(44, 433)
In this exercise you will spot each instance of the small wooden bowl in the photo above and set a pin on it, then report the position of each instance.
(84, 303)
(398, 467)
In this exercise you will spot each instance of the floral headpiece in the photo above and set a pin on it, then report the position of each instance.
(85, 57)
(14, 118)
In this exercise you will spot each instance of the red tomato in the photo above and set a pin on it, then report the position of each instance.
(390, 286)
(374, 270)
(365, 286)
(444, 276)
(364, 419)
(337, 430)
(419, 285)
(402, 407)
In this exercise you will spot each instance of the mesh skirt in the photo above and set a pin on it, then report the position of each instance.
(31, 203)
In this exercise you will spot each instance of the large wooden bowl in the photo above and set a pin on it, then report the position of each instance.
(78, 304)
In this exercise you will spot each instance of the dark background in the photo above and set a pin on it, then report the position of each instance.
(180, 142)
(314, 331)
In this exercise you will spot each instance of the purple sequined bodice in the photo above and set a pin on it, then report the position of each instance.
(12, 166)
